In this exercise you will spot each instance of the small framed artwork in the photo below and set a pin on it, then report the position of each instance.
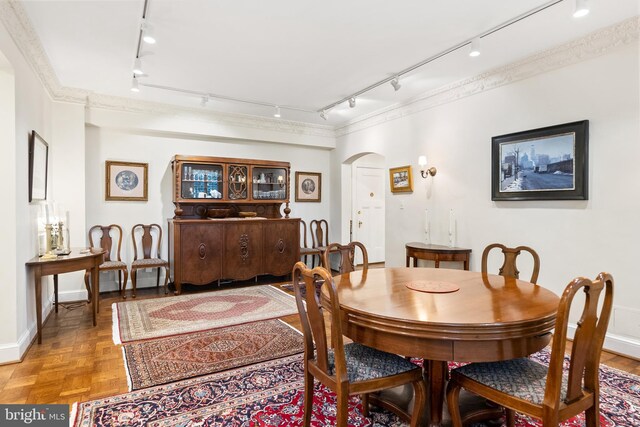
(308, 186)
(38, 166)
(401, 179)
(126, 181)
(541, 164)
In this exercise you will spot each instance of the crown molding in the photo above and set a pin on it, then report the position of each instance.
(590, 46)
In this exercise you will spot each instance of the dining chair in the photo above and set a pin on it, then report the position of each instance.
(319, 233)
(542, 392)
(147, 242)
(347, 256)
(112, 258)
(305, 250)
(509, 267)
(351, 368)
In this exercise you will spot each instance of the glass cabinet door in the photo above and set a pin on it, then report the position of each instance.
(199, 181)
(237, 182)
(269, 183)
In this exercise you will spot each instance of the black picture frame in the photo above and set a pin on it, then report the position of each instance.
(549, 163)
(38, 167)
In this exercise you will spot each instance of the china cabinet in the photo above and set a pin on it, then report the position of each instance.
(227, 223)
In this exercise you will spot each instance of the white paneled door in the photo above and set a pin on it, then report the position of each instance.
(368, 215)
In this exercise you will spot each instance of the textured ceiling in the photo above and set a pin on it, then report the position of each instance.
(296, 53)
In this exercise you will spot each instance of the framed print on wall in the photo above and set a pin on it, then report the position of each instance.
(541, 164)
(308, 186)
(401, 179)
(126, 181)
(38, 165)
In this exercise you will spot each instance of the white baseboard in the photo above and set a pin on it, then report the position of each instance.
(616, 343)
(13, 352)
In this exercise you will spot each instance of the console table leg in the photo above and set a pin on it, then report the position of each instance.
(38, 282)
(95, 292)
(55, 291)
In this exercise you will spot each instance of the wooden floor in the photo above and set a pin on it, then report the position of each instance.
(78, 362)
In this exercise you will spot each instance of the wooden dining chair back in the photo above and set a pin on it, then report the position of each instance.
(147, 243)
(305, 250)
(510, 255)
(548, 393)
(319, 233)
(350, 368)
(102, 236)
(347, 256)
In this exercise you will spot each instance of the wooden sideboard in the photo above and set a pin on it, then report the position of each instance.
(209, 250)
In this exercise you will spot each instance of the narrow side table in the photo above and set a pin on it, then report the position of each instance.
(75, 261)
(436, 253)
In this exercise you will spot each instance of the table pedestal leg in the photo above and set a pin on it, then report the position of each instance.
(437, 371)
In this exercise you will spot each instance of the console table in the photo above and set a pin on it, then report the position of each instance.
(75, 261)
(436, 253)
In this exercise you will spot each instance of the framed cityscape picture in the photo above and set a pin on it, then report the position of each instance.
(126, 181)
(541, 164)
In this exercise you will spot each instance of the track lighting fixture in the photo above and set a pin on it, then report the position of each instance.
(396, 83)
(134, 85)
(475, 47)
(203, 101)
(137, 67)
(324, 114)
(147, 33)
(277, 113)
(352, 102)
(581, 8)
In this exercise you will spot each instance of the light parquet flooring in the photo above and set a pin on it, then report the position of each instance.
(78, 362)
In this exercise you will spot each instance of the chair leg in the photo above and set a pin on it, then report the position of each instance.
(124, 286)
(419, 402)
(510, 417)
(134, 277)
(158, 278)
(365, 404)
(453, 395)
(592, 414)
(119, 280)
(308, 399)
(86, 285)
(342, 407)
(166, 279)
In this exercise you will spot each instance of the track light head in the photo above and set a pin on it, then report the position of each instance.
(277, 113)
(396, 83)
(203, 101)
(352, 102)
(137, 67)
(134, 85)
(324, 114)
(475, 47)
(581, 8)
(147, 33)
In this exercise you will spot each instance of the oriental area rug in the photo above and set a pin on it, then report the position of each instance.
(163, 360)
(270, 394)
(162, 317)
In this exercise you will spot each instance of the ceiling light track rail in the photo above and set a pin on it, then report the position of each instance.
(439, 55)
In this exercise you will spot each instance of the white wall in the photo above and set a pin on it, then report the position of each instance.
(31, 110)
(572, 237)
(157, 149)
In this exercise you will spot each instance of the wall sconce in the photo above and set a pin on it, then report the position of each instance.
(424, 171)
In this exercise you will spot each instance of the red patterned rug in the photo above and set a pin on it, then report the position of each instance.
(270, 394)
(163, 360)
(162, 317)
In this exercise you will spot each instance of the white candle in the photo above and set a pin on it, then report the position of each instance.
(451, 221)
(46, 212)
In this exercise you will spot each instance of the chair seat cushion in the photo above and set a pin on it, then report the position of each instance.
(108, 265)
(148, 262)
(366, 363)
(523, 378)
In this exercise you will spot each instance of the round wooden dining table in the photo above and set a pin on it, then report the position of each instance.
(445, 315)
